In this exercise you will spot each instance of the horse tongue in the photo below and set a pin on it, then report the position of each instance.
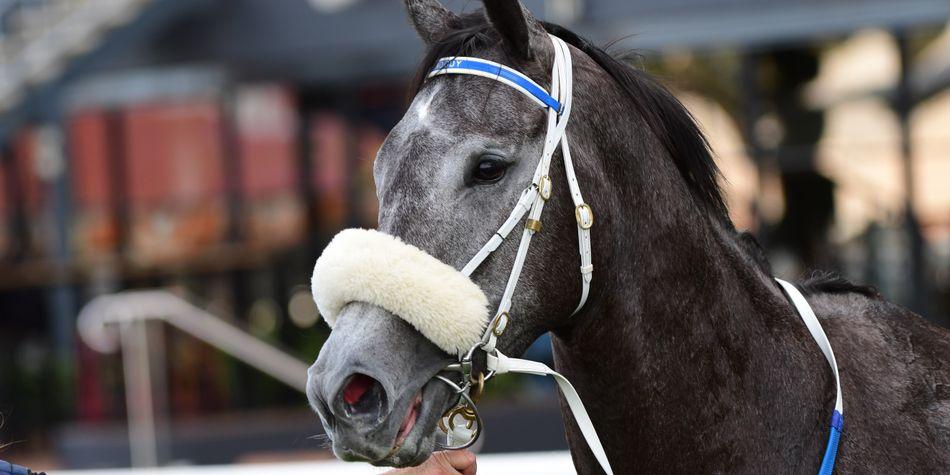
(356, 388)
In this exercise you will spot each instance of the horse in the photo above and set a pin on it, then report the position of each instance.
(688, 356)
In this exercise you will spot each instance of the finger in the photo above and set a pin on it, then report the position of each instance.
(455, 462)
(462, 461)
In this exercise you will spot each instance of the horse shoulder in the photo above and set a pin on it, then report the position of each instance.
(895, 376)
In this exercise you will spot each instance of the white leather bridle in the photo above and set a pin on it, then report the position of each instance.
(530, 203)
(533, 198)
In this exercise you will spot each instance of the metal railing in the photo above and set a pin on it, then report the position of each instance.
(121, 321)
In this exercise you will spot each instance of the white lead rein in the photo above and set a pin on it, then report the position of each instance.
(818, 334)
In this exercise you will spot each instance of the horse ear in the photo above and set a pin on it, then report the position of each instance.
(430, 19)
(517, 27)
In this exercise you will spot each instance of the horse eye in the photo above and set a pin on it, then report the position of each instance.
(489, 170)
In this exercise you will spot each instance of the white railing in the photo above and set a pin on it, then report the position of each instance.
(121, 321)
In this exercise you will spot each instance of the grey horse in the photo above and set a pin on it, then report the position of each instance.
(688, 356)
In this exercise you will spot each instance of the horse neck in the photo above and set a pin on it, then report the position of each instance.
(686, 344)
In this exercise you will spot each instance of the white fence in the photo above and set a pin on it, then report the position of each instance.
(122, 320)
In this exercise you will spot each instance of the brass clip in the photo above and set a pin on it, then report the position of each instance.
(585, 216)
(478, 386)
(501, 323)
(544, 187)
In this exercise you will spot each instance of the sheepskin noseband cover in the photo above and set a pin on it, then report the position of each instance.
(362, 265)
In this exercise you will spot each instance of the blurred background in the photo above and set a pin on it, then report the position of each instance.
(210, 148)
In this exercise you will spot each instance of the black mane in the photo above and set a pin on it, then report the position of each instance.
(832, 283)
(663, 113)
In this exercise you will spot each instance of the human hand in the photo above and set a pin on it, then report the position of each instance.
(449, 462)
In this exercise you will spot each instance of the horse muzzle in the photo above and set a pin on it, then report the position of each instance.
(374, 388)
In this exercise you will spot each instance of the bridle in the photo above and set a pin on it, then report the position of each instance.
(531, 203)
(449, 309)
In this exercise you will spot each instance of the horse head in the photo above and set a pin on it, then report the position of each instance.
(447, 176)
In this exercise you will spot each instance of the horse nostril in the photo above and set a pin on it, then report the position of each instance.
(363, 395)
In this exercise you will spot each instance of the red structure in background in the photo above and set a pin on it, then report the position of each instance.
(175, 168)
(329, 133)
(95, 229)
(267, 133)
(151, 184)
(25, 162)
(173, 174)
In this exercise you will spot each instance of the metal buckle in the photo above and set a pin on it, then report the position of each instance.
(544, 187)
(501, 323)
(585, 216)
(533, 224)
(465, 408)
(469, 391)
(464, 366)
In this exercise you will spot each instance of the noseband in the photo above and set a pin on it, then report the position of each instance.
(450, 310)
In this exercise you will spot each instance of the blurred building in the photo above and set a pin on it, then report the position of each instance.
(214, 146)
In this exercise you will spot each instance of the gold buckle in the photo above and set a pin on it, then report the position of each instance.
(533, 225)
(544, 187)
(579, 214)
(501, 323)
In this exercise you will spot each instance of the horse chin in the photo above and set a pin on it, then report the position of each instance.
(415, 445)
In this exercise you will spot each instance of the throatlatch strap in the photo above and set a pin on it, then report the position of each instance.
(814, 327)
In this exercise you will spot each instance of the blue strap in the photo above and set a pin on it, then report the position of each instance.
(7, 468)
(831, 451)
(498, 72)
(814, 327)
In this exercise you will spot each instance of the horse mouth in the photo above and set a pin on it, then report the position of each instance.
(408, 422)
(414, 440)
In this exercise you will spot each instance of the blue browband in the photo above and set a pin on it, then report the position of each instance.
(498, 72)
